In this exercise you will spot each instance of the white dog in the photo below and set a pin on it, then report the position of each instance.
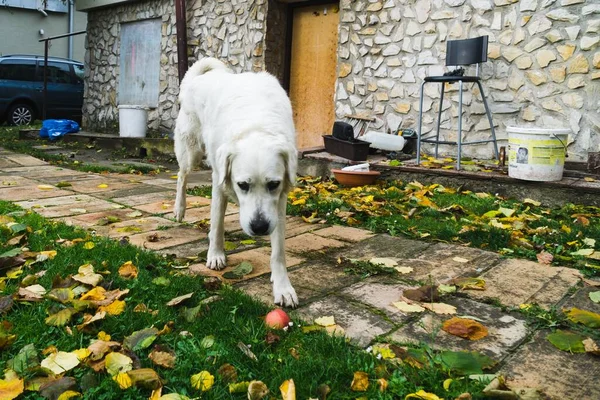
(244, 124)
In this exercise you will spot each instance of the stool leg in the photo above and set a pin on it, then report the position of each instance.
(420, 124)
(489, 115)
(459, 139)
(437, 135)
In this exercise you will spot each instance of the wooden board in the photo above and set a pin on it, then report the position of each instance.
(313, 72)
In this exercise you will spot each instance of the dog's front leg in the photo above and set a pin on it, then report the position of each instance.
(215, 258)
(283, 291)
(181, 192)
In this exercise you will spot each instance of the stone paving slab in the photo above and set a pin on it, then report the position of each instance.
(261, 289)
(514, 282)
(95, 219)
(581, 300)
(505, 331)
(360, 324)
(38, 172)
(15, 181)
(75, 177)
(139, 225)
(155, 195)
(169, 238)
(32, 192)
(95, 184)
(344, 233)
(379, 293)
(260, 259)
(162, 182)
(197, 214)
(309, 242)
(560, 374)
(187, 250)
(166, 206)
(25, 160)
(67, 205)
(395, 247)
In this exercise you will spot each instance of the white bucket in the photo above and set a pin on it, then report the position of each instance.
(536, 154)
(384, 141)
(133, 121)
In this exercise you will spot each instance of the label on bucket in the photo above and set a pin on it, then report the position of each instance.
(539, 152)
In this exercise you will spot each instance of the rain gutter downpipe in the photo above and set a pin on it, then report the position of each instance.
(181, 28)
(70, 38)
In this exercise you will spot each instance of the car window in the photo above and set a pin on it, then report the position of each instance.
(57, 72)
(79, 72)
(18, 70)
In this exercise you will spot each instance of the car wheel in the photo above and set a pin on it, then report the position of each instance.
(21, 114)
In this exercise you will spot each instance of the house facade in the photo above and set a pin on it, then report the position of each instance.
(24, 22)
(365, 57)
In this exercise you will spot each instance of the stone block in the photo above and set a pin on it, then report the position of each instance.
(559, 374)
(139, 225)
(513, 282)
(344, 233)
(166, 206)
(309, 242)
(261, 289)
(359, 324)
(31, 192)
(160, 195)
(95, 219)
(578, 65)
(505, 330)
(168, 238)
(566, 51)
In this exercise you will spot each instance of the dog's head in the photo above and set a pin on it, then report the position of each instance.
(260, 169)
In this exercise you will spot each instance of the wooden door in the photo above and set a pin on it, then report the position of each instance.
(313, 71)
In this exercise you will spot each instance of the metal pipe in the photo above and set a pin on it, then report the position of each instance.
(61, 36)
(70, 39)
(181, 28)
(45, 96)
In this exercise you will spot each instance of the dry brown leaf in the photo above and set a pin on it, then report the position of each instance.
(89, 318)
(439, 308)
(128, 270)
(465, 328)
(427, 293)
(110, 296)
(100, 347)
(545, 258)
(360, 382)
(87, 275)
(591, 346)
(180, 299)
(163, 357)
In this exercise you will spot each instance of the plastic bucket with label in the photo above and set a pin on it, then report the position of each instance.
(536, 154)
(133, 120)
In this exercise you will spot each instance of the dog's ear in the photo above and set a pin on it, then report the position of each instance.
(223, 164)
(290, 158)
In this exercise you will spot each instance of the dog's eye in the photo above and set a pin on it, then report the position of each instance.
(272, 185)
(244, 186)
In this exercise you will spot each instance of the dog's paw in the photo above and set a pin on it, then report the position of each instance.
(216, 260)
(179, 213)
(284, 294)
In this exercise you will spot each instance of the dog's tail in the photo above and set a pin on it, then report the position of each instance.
(203, 66)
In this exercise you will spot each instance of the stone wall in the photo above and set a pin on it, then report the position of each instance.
(232, 31)
(543, 67)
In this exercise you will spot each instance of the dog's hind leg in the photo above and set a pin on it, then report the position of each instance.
(186, 150)
(215, 258)
(283, 291)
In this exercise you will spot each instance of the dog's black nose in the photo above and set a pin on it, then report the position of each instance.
(259, 226)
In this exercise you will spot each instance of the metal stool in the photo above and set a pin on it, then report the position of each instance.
(458, 52)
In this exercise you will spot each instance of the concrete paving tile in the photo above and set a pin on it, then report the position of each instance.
(156, 195)
(260, 259)
(345, 233)
(192, 249)
(441, 262)
(261, 289)
(15, 181)
(580, 299)
(25, 160)
(231, 223)
(37, 172)
(360, 325)
(193, 215)
(56, 201)
(137, 190)
(95, 219)
(514, 282)
(31, 192)
(309, 242)
(295, 226)
(505, 331)
(75, 176)
(321, 277)
(163, 182)
(560, 374)
(396, 247)
(74, 207)
(167, 238)
(379, 293)
(96, 184)
(4, 163)
(140, 225)
(166, 206)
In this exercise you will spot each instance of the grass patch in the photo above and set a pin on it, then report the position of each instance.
(9, 139)
(311, 359)
(481, 220)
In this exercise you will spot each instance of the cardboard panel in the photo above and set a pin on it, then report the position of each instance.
(313, 72)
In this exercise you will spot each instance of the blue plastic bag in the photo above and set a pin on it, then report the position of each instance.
(55, 128)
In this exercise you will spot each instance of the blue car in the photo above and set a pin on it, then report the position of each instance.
(22, 86)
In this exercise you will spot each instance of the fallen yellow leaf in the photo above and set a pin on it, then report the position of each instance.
(102, 186)
(114, 308)
(123, 380)
(128, 270)
(325, 321)
(360, 383)
(202, 381)
(11, 386)
(288, 390)
(422, 395)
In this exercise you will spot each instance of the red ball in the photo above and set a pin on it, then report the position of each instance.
(277, 319)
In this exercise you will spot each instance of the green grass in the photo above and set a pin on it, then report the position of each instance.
(9, 139)
(447, 215)
(233, 318)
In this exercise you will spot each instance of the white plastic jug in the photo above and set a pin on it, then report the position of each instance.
(384, 141)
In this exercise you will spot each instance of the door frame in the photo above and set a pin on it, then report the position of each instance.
(287, 68)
